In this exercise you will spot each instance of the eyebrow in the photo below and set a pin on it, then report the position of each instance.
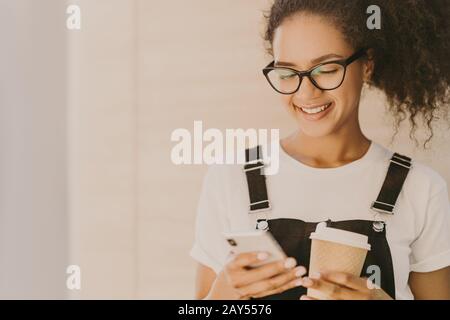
(314, 61)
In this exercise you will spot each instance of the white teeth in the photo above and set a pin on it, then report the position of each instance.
(315, 110)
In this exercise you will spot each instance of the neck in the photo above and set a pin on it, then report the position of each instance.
(329, 151)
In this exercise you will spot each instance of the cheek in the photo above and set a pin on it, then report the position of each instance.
(286, 100)
(349, 93)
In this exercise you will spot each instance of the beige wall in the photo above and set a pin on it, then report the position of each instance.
(102, 150)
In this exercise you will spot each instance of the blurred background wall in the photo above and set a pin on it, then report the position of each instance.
(105, 100)
(102, 148)
(33, 160)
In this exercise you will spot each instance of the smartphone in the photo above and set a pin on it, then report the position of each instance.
(256, 241)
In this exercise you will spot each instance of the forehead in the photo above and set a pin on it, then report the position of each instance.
(304, 37)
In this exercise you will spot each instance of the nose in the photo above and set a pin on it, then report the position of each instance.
(307, 90)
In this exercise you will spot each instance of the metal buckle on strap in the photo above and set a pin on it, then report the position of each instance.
(381, 210)
(401, 162)
(255, 167)
(259, 210)
(254, 161)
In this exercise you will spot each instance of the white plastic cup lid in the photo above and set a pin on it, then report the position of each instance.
(348, 238)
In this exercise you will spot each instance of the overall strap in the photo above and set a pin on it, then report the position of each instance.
(398, 170)
(256, 182)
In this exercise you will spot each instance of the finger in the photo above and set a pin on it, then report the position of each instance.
(292, 284)
(334, 291)
(346, 279)
(325, 287)
(266, 271)
(275, 284)
(246, 259)
(305, 297)
(349, 294)
(319, 284)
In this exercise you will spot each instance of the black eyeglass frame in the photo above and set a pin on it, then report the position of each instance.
(301, 74)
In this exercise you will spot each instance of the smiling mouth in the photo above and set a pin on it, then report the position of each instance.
(315, 110)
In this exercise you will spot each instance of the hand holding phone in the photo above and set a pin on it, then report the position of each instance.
(258, 269)
(255, 241)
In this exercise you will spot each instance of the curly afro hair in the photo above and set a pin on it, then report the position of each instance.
(411, 50)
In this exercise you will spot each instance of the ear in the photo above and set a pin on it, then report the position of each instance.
(369, 65)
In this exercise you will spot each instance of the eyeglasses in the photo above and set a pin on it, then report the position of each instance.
(325, 76)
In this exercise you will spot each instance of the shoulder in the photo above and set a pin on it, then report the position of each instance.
(426, 178)
(421, 177)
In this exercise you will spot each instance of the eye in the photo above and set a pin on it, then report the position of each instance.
(287, 77)
(329, 71)
(326, 69)
(284, 74)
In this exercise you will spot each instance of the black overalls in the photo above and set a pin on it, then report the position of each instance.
(293, 235)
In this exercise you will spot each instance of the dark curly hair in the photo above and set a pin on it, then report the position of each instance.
(411, 51)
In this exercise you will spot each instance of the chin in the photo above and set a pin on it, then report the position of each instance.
(315, 132)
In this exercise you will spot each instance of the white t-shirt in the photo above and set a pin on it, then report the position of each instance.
(418, 233)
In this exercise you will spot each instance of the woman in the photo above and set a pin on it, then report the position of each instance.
(329, 170)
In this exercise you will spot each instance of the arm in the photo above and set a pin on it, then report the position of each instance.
(210, 286)
(431, 285)
(204, 280)
(237, 281)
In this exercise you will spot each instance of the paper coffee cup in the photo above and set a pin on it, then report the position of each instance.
(336, 250)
